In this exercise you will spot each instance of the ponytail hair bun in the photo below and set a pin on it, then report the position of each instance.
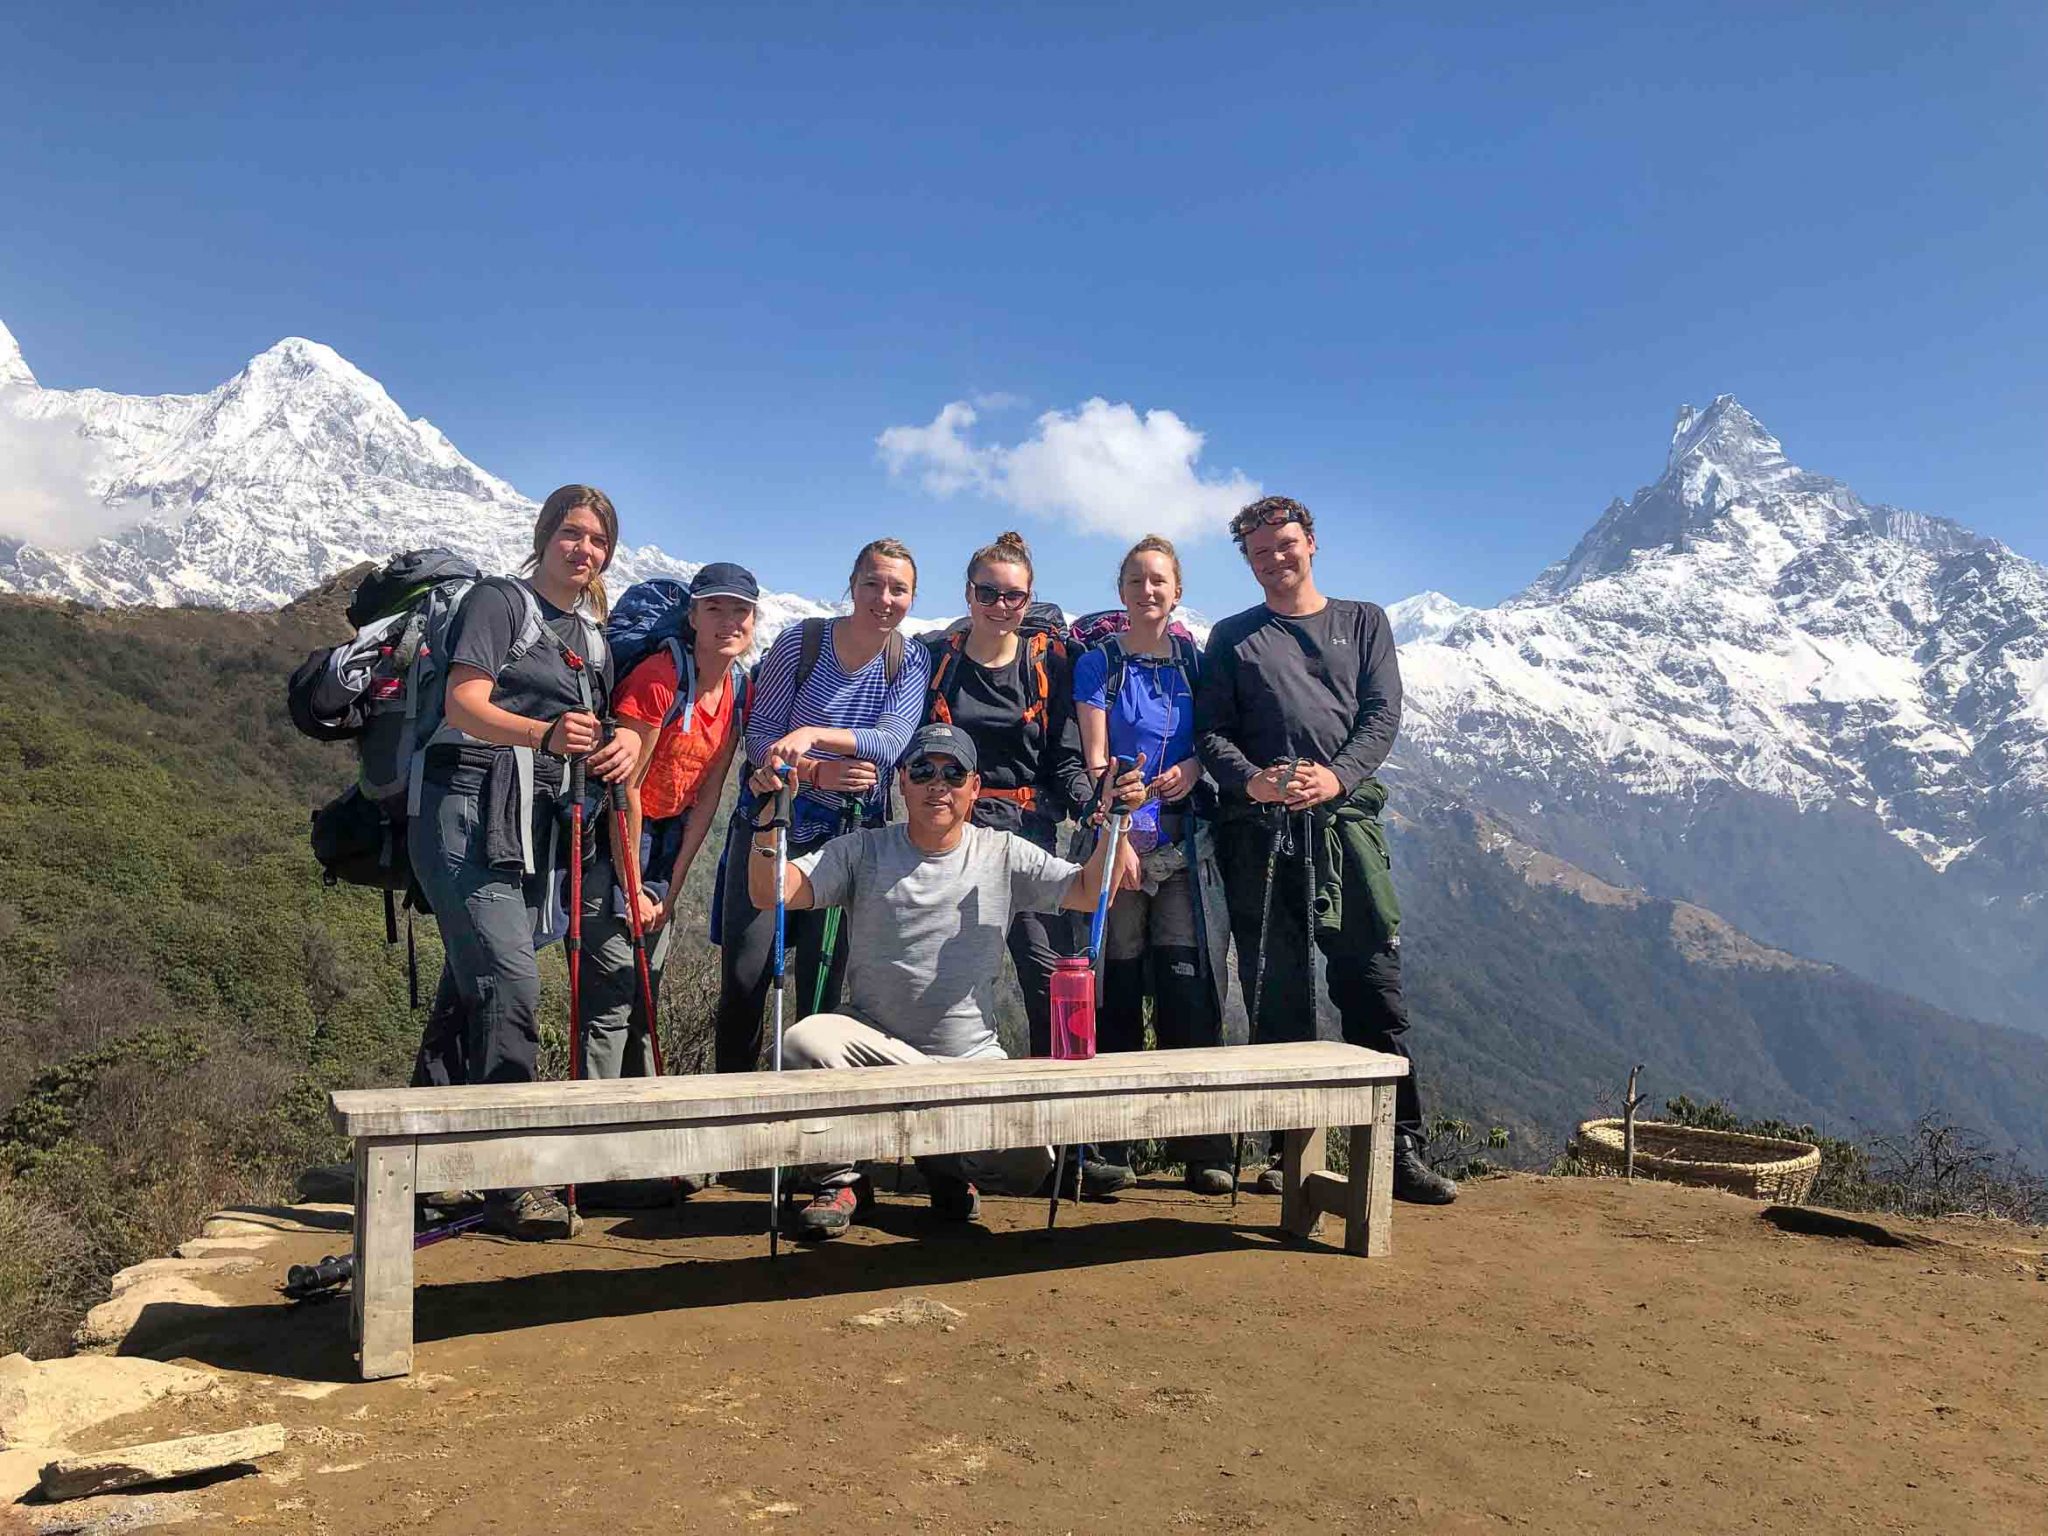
(1009, 548)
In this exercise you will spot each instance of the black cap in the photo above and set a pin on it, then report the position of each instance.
(948, 740)
(722, 578)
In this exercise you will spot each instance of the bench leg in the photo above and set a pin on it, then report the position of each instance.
(1369, 1196)
(1301, 1154)
(383, 1277)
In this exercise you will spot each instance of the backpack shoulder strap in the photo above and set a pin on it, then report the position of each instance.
(1114, 663)
(685, 701)
(811, 644)
(892, 656)
(1033, 657)
(938, 703)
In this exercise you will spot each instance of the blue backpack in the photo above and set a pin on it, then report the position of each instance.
(653, 616)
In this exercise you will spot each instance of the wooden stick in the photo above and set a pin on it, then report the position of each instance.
(1628, 1124)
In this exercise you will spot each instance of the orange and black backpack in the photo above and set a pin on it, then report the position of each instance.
(1043, 633)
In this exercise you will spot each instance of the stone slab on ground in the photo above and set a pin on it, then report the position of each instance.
(107, 1324)
(203, 1247)
(913, 1311)
(155, 1269)
(20, 1471)
(45, 1402)
(160, 1461)
(113, 1514)
(269, 1220)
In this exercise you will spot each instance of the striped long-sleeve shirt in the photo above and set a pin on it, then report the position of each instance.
(882, 716)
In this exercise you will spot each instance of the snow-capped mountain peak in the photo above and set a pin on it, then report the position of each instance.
(1745, 622)
(14, 368)
(1425, 616)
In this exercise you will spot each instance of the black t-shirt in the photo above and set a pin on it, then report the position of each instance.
(1325, 686)
(988, 703)
(539, 684)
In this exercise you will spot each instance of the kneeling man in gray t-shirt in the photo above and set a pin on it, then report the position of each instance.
(928, 903)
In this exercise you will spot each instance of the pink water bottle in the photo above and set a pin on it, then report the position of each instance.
(1073, 1008)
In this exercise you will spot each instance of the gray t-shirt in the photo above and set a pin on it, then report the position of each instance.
(924, 931)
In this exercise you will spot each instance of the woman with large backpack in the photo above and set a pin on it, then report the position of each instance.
(525, 685)
(685, 703)
(836, 700)
(1005, 679)
(1134, 693)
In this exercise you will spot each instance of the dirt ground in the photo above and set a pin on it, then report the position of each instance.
(1548, 1355)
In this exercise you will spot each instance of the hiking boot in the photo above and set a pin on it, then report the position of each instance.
(449, 1199)
(1415, 1181)
(953, 1198)
(1208, 1179)
(531, 1215)
(1099, 1180)
(832, 1210)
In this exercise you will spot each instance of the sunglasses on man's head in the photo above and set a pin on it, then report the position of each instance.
(989, 596)
(924, 770)
(1277, 519)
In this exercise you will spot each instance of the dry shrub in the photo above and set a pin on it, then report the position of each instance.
(46, 1274)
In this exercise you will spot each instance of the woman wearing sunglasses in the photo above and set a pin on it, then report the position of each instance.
(1003, 677)
(1135, 696)
(836, 700)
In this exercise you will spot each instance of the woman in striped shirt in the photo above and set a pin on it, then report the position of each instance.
(837, 701)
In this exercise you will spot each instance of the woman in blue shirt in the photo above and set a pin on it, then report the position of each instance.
(1135, 697)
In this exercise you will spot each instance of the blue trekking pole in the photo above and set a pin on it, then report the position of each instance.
(1118, 816)
(785, 804)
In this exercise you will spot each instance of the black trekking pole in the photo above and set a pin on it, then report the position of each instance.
(1278, 816)
(785, 810)
(626, 862)
(315, 1282)
(573, 942)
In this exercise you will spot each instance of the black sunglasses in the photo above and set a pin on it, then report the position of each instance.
(1277, 519)
(924, 770)
(989, 596)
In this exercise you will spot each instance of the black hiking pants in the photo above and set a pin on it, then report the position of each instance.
(746, 965)
(1365, 986)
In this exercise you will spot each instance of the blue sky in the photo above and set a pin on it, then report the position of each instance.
(1444, 273)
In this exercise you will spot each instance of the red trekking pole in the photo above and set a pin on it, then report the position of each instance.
(626, 856)
(574, 942)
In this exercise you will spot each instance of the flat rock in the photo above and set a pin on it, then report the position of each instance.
(115, 1514)
(45, 1402)
(203, 1247)
(21, 1470)
(160, 1461)
(270, 1220)
(153, 1269)
(107, 1324)
(912, 1310)
(328, 1181)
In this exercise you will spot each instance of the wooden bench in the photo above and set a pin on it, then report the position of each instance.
(515, 1135)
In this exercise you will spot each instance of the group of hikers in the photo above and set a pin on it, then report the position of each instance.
(997, 737)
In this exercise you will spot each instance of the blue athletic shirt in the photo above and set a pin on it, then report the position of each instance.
(1154, 714)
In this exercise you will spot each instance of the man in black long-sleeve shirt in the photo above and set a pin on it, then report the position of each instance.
(1298, 705)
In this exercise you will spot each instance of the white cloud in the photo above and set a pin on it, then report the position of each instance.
(1103, 467)
(45, 496)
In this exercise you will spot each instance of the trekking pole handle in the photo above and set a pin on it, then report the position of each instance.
(785, 795)
(1117, 769)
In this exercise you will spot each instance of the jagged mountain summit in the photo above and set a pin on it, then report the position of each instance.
(1745, 622)
(298, 467)
(1746, 687)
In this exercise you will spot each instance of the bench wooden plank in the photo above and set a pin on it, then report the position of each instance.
(616, 1101)
(384, 1276)
(579, 1155)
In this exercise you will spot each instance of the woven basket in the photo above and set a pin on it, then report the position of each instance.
(1761, 1167)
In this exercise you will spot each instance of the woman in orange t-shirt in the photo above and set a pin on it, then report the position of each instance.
(686, 748)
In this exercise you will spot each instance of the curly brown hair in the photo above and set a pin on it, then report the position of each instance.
(1270, 511)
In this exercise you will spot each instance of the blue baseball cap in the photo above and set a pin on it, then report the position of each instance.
(722, 578)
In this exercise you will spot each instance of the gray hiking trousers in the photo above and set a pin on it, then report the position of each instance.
(615, 1040)
(485, 1022)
